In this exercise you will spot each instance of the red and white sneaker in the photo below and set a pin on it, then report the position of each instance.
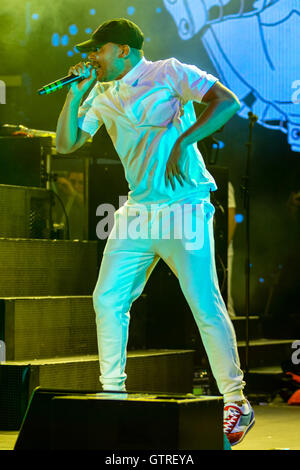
(238, 420)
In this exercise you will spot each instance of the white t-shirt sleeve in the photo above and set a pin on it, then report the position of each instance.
(89, 116)
(190, 82)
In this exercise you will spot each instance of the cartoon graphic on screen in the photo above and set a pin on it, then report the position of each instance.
(252, 44)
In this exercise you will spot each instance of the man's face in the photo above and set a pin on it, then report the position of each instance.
(77, 181)
(108, 62)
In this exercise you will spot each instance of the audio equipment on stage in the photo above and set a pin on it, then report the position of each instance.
(25, 212)
(47, 267)
(154, 371)
(23, 161)
(106, 184)
(35, 430)
(14, 385)
(65, 420)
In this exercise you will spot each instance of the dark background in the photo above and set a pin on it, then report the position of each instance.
(26, 50)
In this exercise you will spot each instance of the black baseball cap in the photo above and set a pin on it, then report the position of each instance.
(118, 31)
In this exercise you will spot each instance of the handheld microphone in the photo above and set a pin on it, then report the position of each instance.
(58, 84)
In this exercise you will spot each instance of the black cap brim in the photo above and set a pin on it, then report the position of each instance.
(87, 45)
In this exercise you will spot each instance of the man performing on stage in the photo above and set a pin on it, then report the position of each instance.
(147, 108)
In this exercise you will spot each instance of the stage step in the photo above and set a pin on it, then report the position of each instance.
(255, 328)
(47, 267)
(263, 355)
(264, 381)
(265, 352)
(169, 371)
(59, 326)
(39, 327)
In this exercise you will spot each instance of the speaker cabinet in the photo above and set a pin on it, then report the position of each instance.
(60, 420)
(106, 184)
(25, 212)
(22, 160)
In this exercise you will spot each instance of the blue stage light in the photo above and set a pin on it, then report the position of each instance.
(239, 218)
(65, 40)
(73, 29)
(55, 39)
(219, 145)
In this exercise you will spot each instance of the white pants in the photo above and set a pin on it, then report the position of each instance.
(125, 268)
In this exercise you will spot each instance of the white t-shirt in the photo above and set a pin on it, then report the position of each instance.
(144, 114)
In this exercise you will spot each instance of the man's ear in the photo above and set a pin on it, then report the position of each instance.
(124, 51)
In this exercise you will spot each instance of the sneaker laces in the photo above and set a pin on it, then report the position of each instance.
(231, 419)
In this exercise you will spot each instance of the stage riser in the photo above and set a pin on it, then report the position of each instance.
(267, 353)
(163, 372)
(264, 383)
(47, 267)
(261, 353)
(43, 327)
(255, 328)
(36, 328)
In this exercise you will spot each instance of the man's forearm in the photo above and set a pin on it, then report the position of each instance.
(67, 125)
(215, 115)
